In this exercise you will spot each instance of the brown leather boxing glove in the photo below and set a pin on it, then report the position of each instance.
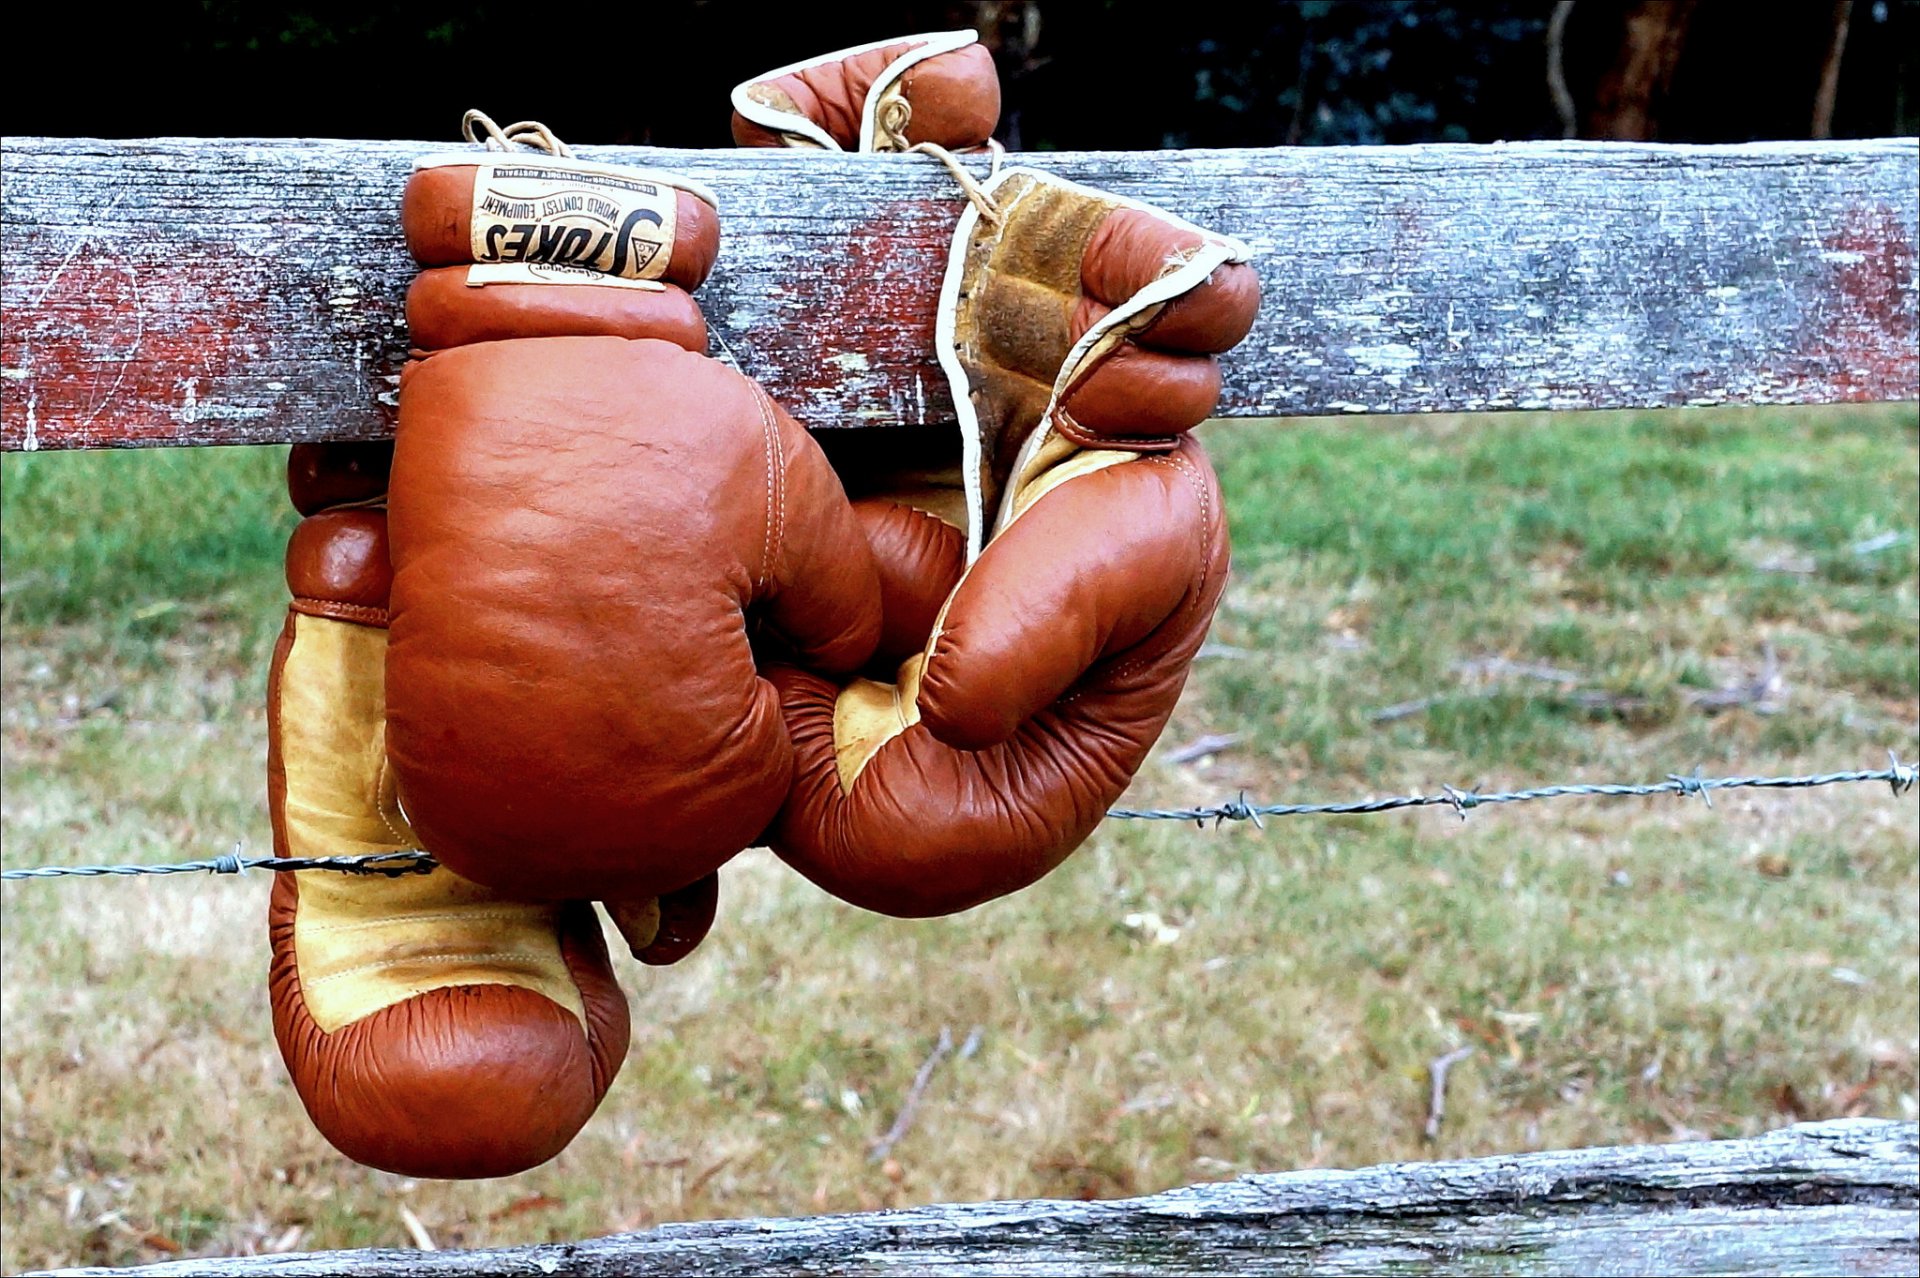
(1047, 577)
(885, 96)
(432, 1027)
(592, 525)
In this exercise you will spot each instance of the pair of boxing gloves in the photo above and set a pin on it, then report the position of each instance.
(604, 614)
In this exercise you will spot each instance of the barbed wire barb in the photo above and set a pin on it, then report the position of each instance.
(1463, 801)
(1693, 785)
(1903, 774)
(1899, 776)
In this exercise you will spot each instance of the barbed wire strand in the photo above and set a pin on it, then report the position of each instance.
(1899, 776)
(391, 864)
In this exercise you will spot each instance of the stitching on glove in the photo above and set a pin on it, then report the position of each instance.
(379, 791)
(433, 916)
(532, 960)
(776, 491)
(334, 610)
(1199, 487)
(1070, 426)
(780, 478)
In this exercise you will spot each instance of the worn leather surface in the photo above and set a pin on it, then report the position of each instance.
(1063, 260)
(338, 564)
(589, 536)
(920, 557)
(444, 310)
(1058, 662)
(684, 918)
(954, 97)
(476, 1078)
(436, 215)
(1031, 684)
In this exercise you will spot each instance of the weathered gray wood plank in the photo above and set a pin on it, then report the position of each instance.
(182, 291)
(1820, 1198)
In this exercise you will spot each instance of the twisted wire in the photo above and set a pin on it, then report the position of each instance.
(1898, 776)
(391, 864)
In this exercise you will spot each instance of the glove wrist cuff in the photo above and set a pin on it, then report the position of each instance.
(761, 102)
(608, 220)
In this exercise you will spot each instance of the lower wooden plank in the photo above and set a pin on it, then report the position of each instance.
(196, 291)
(1819, 1198)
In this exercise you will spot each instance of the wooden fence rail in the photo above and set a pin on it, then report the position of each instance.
(1821, 1198)
(182, 291)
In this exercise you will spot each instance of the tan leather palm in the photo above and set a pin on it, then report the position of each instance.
(431, 1026)
(365, 942)
(1044, 296)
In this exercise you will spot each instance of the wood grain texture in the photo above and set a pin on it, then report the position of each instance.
(1819, 1198)
(185, 291)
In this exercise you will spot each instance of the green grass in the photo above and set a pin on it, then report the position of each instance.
(1643, 550)
(108, 535)
(1625, 970)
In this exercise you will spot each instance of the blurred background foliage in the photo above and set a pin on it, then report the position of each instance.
(1120, 74)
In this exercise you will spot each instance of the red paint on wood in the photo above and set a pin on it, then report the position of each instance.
(248, 292)
(1871, 338)
(899, 322)
(122, 347)
(857, 342)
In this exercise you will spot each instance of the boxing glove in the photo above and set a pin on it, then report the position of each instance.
(431, 1026)
(593, 527)
(885, 96)
(1048, 570)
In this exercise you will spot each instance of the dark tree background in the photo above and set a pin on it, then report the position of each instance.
(1078, 73)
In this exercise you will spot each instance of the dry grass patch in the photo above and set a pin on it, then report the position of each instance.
(1172, 1005)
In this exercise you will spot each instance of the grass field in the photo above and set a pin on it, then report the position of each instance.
(1173, 1005)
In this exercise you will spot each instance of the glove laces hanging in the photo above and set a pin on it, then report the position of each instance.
(968, 183)
(478, 126)
(890, 134)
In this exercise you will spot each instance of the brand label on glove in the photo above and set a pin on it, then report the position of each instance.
(572, 215)
(552, 273)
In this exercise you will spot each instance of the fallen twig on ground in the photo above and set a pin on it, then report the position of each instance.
(1494, 667)
(878, 1151)
(415, 1230)
(1439, 1068)
(1765, 693)
(1201, 747)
